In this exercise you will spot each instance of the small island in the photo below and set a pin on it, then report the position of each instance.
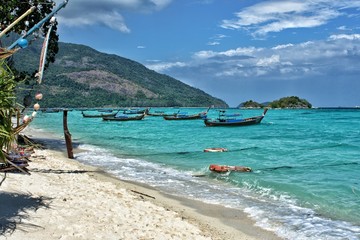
(251, 104)
(285, 102)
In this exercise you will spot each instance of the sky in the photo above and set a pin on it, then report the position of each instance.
(235, 50)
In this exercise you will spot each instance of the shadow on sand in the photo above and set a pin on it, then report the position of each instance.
(13, 210)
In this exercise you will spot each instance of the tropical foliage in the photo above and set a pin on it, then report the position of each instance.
(7, 108)
(11, 10)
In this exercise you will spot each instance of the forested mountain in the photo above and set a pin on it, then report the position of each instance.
(84, 77)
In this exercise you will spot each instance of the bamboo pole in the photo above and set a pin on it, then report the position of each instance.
(67, 136)
(39, 24)
(16, 21)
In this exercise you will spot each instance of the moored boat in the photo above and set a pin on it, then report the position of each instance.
(224, 120)
(124, 118)
(85, 115)
(185, 116)
(135, 111)
(159, 113)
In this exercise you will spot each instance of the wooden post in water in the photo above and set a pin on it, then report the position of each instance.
(67, 136)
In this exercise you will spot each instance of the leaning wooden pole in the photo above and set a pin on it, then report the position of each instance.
(67, 136)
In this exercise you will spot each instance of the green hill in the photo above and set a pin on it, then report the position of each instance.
(250, 104)
(290, 102)
(84, 77)
(285, 102)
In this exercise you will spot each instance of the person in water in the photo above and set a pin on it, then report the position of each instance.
(222, 168)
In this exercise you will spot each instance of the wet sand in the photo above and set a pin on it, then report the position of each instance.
(64, 199)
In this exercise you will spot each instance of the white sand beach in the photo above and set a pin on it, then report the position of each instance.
(63, 199)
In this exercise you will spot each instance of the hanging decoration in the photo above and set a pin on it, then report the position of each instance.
(39, 24)
(36, 106)
(22, 42)
(38, 96)
(44, 49)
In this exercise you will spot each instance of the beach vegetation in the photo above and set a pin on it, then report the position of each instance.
(11, 76)
(7, 108)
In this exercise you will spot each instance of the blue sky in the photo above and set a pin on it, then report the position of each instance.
(236, 50)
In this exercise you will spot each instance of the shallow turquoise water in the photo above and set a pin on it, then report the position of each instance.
(305, 183)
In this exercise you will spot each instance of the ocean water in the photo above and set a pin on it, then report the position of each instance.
(305, 182)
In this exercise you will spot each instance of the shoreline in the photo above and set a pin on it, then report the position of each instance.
(190, 219)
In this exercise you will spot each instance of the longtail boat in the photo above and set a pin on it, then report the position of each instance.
(124, 118)
(98, 115)
(135, 111)
(159, 113)
(224, 120)
(185, 116)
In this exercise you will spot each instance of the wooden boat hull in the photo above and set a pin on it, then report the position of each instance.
(161, 114)
(139, 117)
(177, 116)
(188, 117)
(135, 111)
(98, 116)
(235, 122)
(240, 122)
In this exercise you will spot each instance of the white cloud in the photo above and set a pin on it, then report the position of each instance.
(215, 40)
(264, 62)
(220, 36)
(205, 54)
(275, 16)
(106, 12)
(161, 67)
(345, 36)
(283, 46)
(213, 43)
(229, 53)
(288, 61)
(344, 28)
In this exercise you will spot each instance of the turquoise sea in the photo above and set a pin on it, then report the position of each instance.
(305, 182)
